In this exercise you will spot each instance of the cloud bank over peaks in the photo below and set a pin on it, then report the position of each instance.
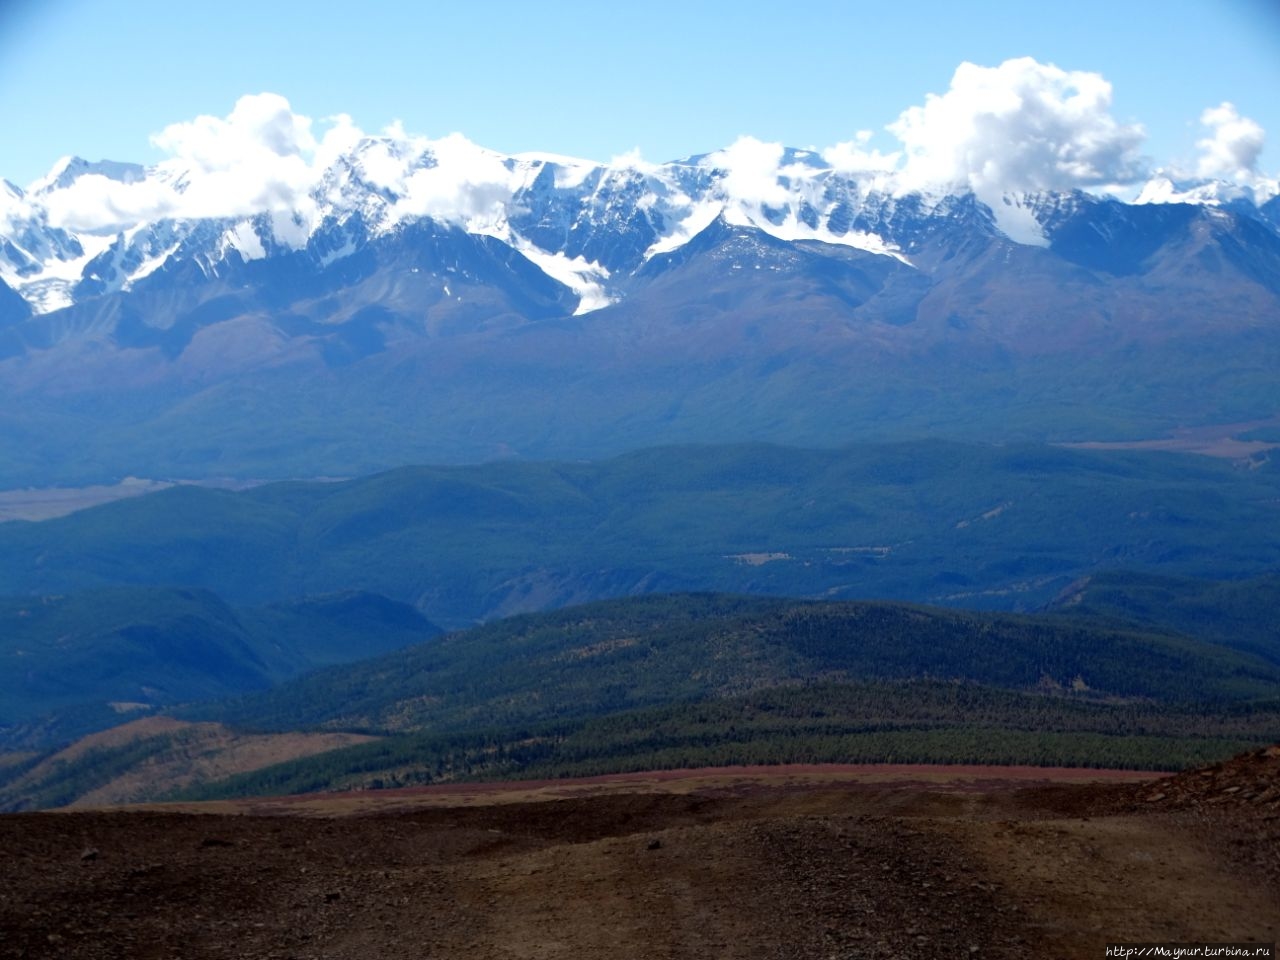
(852, 156)
(263, 158)
(632, 160)
(1021, 126)
(464, 184)
(14, 207)
(260, 158)
(1227, 168)
(1232, 150)
(752, 171)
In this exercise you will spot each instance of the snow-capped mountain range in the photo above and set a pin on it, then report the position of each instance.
(582, 224)
(414, 300)
(586, 225)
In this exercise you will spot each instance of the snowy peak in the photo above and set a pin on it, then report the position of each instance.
(70, 169)
(1202, 192)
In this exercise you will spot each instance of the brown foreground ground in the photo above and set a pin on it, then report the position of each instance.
(787, 862)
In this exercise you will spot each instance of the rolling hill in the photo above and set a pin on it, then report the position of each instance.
(960, 524)
(699, 680)
(691, 680)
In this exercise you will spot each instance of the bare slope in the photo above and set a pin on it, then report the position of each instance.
(152, 756)
(735, 868)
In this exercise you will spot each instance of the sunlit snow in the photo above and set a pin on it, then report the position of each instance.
(1017, 221)
(245, 239)
(583, 278)
(50, 289)
(570, 172)
(151, 265)
(699, 218)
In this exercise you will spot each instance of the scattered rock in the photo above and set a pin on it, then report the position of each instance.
(1245, 781)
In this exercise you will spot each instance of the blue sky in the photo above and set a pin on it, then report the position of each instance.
(588, 79)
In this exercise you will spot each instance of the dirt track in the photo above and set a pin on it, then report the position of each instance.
(803, 866)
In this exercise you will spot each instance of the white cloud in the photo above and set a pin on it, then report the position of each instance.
(751, 171)
(94, 203)
(264, 158)
(259, 127)
(852, 156)
(260, 158)
(631, 160)
(14, 208)
(383, 165)
(1020, 126)
(341, 136)
(385, 161)
(1231, 153)
(466, 184)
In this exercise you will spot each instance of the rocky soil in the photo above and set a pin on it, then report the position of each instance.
(731, 868)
